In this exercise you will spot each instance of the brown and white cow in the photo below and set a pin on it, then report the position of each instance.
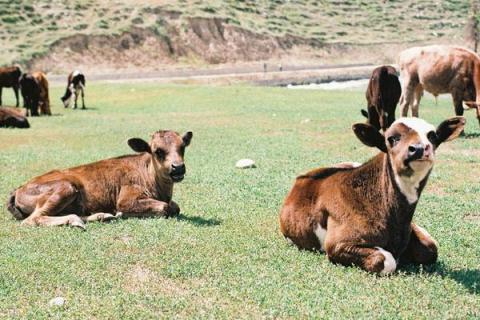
(383, 93)
(133, 186)
(440, 69)
(9, 78)
(75, 87)
(34, 88)
(12, 118)
(362, 214)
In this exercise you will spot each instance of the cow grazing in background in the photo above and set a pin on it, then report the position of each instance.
(12, 118)
(133, 186)
(34, 88)
(440, 69)
(362, 214)
(75, 86)
(383, 93)
(9, 78)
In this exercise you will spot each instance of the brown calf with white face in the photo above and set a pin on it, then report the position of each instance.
(362, 214)
(131, 186)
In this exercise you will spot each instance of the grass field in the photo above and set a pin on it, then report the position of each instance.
(224, 256)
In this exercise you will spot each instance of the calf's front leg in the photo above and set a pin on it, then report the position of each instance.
(133, 203)
(371, 259)
(421, 249)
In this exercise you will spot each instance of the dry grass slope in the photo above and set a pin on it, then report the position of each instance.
(28, 29)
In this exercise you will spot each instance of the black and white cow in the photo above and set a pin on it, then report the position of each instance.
(75, 86)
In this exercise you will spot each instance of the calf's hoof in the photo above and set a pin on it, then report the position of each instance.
(76, 221)
(381, 262)
(173, 209)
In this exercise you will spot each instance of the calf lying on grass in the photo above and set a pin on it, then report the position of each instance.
(362, 214)
(12, 118)
(133, 186)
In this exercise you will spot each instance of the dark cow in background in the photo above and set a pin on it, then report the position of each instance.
(9, 78)
(34, 88)
(75, 86)
(383, 93)
(12, 118)
(440, 69)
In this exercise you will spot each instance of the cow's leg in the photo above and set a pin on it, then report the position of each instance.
(422, 248)
(15, 90)
(375, 260)
(458, 103)
(478, 114)
(1, 95)
(133, 203)
(417, 96)
(76, 98)
(102, 216)
(52, 204)
(406, 98)
(35, 105)
(83, 98)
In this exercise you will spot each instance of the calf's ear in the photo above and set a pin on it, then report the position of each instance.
(139, 145)
(187, 137)
(450, 129)
(364, 113)
(369, 136)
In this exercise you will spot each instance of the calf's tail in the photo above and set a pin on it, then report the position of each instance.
(14, 210)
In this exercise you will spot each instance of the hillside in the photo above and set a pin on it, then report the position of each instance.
(111, 35)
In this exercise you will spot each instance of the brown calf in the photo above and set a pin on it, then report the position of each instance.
(133, 186)
(383, 93)
(362, 214)
(34, 88)
(12, 118)
(440, 69)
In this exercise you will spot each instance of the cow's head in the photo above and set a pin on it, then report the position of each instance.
(167, 149)
(411, 143)
(68, 96)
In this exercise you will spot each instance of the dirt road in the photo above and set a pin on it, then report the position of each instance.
(256, 73)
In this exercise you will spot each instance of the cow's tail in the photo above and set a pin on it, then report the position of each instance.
(383, 86)
(12, 207)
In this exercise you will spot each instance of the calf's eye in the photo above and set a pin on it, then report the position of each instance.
(393, 140)
(432, 137)
(160, 153)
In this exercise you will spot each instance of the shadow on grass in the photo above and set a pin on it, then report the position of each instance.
(199, 221)
(472, 135)
(469, 278)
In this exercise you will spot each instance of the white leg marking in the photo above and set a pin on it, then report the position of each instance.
(426, 234)
(321, 234)
(289, 241)
(389, 265)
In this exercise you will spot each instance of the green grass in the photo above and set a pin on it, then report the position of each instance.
(224, 257)
(38, 24)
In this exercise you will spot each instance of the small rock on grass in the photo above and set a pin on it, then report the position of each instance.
(245, 164)
(57, 302)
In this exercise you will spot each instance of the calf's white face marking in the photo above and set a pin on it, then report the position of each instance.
(389, 265)
(411, 131)
(321, 234)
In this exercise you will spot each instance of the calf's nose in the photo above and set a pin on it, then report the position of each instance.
(415, 151)
(178, 167)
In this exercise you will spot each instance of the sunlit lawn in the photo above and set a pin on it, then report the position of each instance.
(224, 256)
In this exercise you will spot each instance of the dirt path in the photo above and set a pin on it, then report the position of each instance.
(274, 75)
